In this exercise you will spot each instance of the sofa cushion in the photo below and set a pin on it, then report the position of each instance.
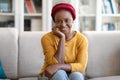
(30, 78)
(30, 54)
(9, 51)
(107, 78)
(103, 54)
(34, 78)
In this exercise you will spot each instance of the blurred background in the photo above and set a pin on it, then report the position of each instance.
(35, 15)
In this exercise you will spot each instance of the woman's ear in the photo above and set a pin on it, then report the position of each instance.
(53, 24)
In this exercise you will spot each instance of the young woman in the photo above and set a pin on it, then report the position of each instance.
(65, 50)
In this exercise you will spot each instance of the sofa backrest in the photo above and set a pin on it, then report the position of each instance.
(30, 54)
(9, 51)
(24, 57)
(103, 54)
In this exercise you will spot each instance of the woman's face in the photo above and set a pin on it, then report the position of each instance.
(64, 21)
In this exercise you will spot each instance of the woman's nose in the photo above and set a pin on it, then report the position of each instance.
(63, 23)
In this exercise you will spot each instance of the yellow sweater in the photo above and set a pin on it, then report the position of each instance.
(75, 51)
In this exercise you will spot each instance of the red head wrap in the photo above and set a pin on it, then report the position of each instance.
(63, 6)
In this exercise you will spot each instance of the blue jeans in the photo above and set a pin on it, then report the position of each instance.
(62, 75)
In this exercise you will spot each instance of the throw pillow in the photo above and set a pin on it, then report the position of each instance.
(2, 73)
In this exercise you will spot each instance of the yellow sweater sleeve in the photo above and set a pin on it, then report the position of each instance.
(82, 56)
(49, 51)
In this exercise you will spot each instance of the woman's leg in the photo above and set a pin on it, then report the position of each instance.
(76, 76)
(60, 75)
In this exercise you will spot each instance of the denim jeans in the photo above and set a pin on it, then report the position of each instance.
(62, 75)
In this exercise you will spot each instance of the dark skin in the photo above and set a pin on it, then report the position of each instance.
(62, 29)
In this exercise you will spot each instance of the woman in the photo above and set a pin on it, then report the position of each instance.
(65, 50)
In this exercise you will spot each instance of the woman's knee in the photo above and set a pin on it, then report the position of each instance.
(60, 75)
(76, 76)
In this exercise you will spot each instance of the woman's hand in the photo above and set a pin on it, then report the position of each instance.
(50, 70)
(57, 32)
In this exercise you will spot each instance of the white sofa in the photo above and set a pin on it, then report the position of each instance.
(21, 53)
(22, 56)
(103, 55)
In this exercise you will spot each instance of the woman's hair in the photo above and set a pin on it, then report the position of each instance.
(63, 6)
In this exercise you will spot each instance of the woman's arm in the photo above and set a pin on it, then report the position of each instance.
(50, 70)
(60, 53)
(82, 56)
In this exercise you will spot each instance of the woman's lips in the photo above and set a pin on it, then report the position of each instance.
(63, 29)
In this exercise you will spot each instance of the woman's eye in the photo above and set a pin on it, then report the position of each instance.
(57, 21)
(67, 20)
